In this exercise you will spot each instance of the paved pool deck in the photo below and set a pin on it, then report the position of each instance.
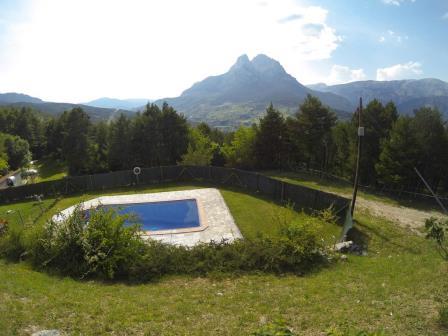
(216, 220)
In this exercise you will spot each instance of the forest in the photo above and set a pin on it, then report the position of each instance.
(313, 138)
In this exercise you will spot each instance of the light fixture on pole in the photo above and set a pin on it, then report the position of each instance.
(358, 158)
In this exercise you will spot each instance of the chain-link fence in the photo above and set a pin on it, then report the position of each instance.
(302, 197)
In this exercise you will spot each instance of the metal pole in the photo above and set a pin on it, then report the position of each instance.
(430, 189)
(360, 135)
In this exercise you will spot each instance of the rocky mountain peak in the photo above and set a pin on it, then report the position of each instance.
(263, 63)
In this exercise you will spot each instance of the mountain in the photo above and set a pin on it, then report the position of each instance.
(50, 108)
(406, 94)
(12, 97)
(241, 95)
(126, 104)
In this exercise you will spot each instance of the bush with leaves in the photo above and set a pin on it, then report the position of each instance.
(103, 247)
(437, 230)
(296, 251)
(11, 241)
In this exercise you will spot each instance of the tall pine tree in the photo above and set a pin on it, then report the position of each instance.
(271, 139)
(313, 133)
(76, 143)
(399, 155)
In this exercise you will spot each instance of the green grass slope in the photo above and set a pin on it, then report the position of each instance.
(398, 287)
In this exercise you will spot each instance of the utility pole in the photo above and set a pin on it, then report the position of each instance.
(360, 135)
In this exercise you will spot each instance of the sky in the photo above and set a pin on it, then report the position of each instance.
(80, 50)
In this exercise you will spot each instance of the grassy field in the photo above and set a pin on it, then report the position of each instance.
(50, 170)
(399, 287)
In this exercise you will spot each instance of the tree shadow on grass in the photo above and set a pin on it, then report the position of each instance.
(362, 235)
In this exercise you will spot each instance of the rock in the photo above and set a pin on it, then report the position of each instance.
(343, 246)
(350, 247)
(344, 257)
(52, 332)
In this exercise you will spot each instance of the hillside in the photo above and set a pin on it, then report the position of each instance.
(12, 97)
(242, 94)
(22, 100)
(407, 94)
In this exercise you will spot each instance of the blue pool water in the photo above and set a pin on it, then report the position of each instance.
(166, 215)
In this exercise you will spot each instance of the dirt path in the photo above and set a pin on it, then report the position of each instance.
(406, 217)
(413, 219)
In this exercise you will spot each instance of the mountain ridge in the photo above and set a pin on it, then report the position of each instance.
(407, 94)
(242, 94)
(51, 108)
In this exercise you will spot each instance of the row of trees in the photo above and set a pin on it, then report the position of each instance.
(152, 138)
(314, 138)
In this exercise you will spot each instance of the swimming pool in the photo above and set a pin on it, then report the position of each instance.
(207, 205)
(167, 215)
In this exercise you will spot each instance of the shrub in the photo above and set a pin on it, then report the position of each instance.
(297, 251)
(443, 317)
(107, 248)
(103, 248)
(437, 230)
(11, 241)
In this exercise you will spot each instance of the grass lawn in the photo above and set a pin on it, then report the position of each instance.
(398, 287)
(50, 170)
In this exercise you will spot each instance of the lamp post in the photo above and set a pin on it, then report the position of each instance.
(360, 135)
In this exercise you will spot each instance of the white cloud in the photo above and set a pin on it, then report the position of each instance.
(77, 50)
(392, 36)
(342, 74)
(396, 2)
(399, 71)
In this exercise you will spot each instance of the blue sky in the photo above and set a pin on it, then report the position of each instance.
(420, 34)
(78, 50)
